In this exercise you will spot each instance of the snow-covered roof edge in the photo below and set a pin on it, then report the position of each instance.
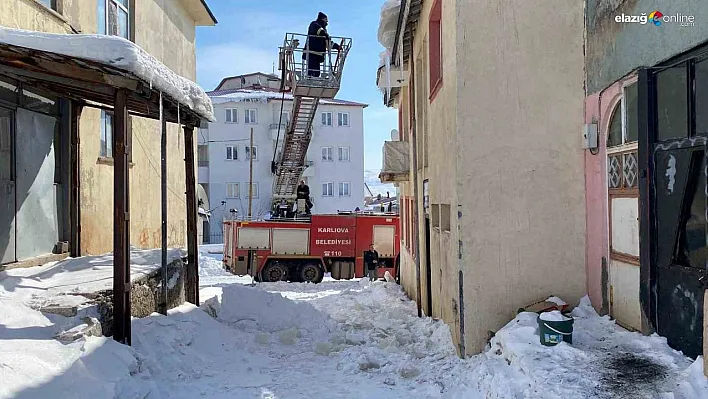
(264, 96)
(119, 53)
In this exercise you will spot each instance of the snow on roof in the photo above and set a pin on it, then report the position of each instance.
(119, 53)
(265, 95)
(388, 23)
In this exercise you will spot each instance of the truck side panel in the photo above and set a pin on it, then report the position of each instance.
(365, 236)
(333, 236)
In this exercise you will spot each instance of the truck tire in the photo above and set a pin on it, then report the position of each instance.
(274, 271)
(311, 273)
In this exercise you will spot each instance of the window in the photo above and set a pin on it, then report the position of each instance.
(435, 48)
(231, 115)
(672, 103)
(252, 150)
(106, 150)
(232, 190)
(113, 18)
(203, 155)
(328, 189)
(326, 119)
(250, 117)
(52, 4)
(106, 135)
(344, 189)
(624, 123)
(231, 152)
(255, 190)
(342, 119)
(327, 154)
(344, 154)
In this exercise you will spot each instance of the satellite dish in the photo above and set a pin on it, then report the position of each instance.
(394, 135)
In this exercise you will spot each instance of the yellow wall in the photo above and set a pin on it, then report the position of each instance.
(165, 30)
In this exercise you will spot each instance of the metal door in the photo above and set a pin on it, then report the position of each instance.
(680, 245)
(8, 251)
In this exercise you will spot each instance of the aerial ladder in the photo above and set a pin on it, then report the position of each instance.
(307, 89)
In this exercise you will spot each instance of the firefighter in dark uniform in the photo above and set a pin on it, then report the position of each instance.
(317, 39)
(303, 192)
(371, 260)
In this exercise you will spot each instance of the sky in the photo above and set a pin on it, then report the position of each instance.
(248, 35)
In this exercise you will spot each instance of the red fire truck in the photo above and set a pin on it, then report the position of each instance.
(303, 251)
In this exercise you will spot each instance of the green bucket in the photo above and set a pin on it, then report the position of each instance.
(553, 332)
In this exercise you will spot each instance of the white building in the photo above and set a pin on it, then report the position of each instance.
(335, 157)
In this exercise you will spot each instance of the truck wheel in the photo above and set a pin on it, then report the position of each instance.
(311, 273)
(274, 271)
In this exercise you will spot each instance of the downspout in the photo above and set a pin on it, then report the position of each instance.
(416, 223)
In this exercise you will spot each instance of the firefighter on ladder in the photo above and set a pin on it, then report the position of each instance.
(303, 193)
(316, 45)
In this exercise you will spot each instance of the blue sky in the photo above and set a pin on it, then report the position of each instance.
(248, 34)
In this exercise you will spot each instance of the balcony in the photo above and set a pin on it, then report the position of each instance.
(203, 173)
(310, 169)
(396, 162)
(274, 130)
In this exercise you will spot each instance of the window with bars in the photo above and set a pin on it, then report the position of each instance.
(114, 18)
(622, 170)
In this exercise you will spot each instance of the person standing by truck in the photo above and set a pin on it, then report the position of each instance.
(371, 260)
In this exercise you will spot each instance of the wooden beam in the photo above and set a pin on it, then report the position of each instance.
(163, 194)
(75, 196)
(121, 222)
(192, 286)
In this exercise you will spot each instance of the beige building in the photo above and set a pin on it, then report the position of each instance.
(40, 174)
(490, 98)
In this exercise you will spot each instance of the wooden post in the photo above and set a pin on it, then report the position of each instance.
(192, 274)
(75, 199)
(121, 222)
(250, 176)
(163, 181)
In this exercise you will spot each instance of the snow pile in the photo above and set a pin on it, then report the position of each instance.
(34, 365)
(604, 361)
(120, 53)
(556, 300)
(269, 312)
(61, 283)
(388, 23)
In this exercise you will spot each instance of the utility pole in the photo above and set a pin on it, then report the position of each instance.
(250, 177)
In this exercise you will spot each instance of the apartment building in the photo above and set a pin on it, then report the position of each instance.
(64, 183)
(335, 158)
(489, 161)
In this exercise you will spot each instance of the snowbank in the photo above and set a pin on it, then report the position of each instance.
(120, 53)
(269, 312)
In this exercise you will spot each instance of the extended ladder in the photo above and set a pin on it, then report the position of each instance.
(307, 91)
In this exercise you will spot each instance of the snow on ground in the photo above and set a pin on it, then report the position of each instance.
(337, 339)
(55, 282)
(120, 53)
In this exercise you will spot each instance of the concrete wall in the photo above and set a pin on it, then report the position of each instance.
(519, 162)
(222, 171)
(615, 49)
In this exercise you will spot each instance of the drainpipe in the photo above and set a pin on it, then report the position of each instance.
(416, 222)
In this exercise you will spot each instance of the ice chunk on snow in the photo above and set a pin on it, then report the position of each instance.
(119, 53)
(389, 277)
(553, 316)
(556, 300)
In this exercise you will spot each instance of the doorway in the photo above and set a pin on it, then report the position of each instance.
(8, 243)
(428, 271)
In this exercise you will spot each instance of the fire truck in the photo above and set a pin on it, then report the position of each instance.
(303, 251)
